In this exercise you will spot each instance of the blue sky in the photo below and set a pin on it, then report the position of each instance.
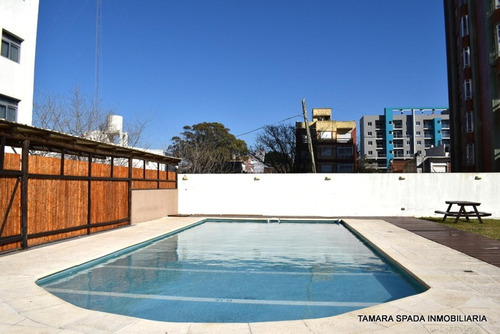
(244, 63)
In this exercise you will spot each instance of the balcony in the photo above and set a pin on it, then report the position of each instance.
(344, 138)
(398, 134)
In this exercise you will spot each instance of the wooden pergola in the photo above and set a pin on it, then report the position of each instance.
(67, 148)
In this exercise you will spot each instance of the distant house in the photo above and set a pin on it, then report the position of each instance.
(18, 28)
(435, 160)
(334, 144)
(254, 163)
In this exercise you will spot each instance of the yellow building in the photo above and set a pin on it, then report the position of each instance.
(334, 144)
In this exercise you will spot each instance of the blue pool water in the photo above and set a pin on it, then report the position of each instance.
(237, 272)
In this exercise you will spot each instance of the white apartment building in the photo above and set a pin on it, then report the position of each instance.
(401, 133)
(18, 28)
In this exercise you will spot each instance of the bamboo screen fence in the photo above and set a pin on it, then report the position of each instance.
(59, 206)
(48, 198)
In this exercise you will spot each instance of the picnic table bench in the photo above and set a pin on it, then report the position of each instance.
(462, 212)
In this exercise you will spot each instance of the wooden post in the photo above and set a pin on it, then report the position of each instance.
(158, 176)
(24, 193)
(130, 190)
(309, 139)
(2, 152)
(112, 166)
(62, 161)
(89, 196)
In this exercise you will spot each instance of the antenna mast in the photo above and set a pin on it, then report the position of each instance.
(97, 53)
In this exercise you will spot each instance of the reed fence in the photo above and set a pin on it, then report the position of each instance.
(67, 197)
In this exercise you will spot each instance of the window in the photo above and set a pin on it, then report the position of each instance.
(325, 152)
(370, 152)
(398, 153)
(466, 57)
(417, 123)
(344, 152)
(468, 89)
(345, 168)
(325, 168)
(428, 124)
(418, 133)
(497, 3)
(446, 124)
(498, 38)
(464, 26)
(325, 135)
(419, 142)
(8, 109)
(370, 142)
(469, 154)
(11, 46)
(370, 133)
(469, 122)
(370, 123)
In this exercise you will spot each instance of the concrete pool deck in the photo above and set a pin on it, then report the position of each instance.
(464, 294)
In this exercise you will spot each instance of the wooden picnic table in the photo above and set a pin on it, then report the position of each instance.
(462, 212)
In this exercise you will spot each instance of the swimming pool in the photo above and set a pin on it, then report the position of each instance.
(237, 271)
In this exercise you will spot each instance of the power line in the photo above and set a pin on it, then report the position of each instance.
(262, 127)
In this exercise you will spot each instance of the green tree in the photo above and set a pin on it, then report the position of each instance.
(206, 148)
(366, 166)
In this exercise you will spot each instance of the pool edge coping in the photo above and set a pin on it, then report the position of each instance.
(377, 232)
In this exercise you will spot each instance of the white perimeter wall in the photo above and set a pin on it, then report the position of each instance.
(344, 195)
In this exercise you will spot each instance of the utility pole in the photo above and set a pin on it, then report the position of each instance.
(309, 139)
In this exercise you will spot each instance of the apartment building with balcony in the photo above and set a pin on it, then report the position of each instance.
(334, 144)
(18, 28)
(473, 55)
(401, 133)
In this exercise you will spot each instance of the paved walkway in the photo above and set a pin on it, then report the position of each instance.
(485, 249)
